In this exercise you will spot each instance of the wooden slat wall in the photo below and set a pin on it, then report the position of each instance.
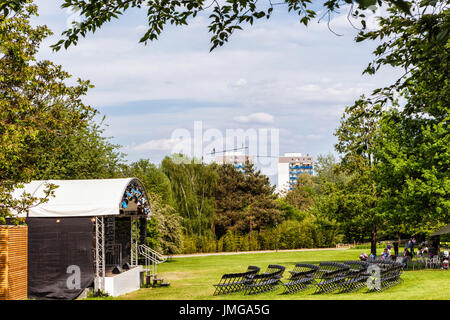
(3, 263)
(13, 262)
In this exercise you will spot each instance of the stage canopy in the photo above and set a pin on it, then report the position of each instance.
(86, 198)
(442, 231)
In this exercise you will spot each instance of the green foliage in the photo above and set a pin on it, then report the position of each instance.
(289, 211)
(164, 230)
(327, 170)
(224, 17)
(84, 154)
(354, 203)
(46, 132)
(414, 157)
(229, 242)
(244, 200)
(294, 234)
(153, 235)
(154, 179)
(189, 244)
(396, 156)
(192, 186)
(302, 196)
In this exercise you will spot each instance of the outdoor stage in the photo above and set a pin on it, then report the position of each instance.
(83, 233)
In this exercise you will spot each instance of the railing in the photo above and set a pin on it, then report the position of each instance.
(152, 259)
(113, 255)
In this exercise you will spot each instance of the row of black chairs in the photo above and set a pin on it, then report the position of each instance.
(235, 282)
(302, 276)
(251, 281)
(389, 274)
(326, 277)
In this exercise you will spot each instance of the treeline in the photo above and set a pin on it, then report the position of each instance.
(201, 207)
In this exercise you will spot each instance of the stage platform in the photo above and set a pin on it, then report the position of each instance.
(123, 283)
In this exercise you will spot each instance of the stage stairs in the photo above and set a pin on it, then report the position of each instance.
(152, 259)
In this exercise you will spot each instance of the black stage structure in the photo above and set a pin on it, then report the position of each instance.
(89, 230)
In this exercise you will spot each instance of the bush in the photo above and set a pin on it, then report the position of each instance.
(189, 244)
(290, 234)
(230, 242)
(294, 235)
(207, 244)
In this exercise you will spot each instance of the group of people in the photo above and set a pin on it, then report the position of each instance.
(424, 250)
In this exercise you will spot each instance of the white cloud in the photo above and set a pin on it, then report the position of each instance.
(276, 69)
(256, 118)
(152, 145)
(239, 83)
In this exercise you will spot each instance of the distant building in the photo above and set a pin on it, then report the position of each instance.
(238, 159)
(289, 167)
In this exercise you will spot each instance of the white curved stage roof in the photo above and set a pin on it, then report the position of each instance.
(77, 198)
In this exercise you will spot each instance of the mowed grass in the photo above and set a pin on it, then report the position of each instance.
(192, 278)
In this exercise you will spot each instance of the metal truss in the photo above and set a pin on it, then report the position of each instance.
(134, 242)
(99, 281)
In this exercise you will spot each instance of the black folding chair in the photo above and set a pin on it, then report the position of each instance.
(329, 276)
(301, 277)
(356, 276)
(267, 281)
(235, 282)
(389, 275)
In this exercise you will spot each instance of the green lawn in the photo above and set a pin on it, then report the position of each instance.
(193, 278)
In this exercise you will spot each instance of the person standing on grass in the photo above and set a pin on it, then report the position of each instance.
(413, 243)
(396, 247)
(388, 247)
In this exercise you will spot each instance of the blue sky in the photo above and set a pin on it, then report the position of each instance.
(276, 74)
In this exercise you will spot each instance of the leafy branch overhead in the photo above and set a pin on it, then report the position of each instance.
(225, 17)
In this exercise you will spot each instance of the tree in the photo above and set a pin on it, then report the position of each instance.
(302, 196)
(245, 200)
(357, 202)
(231, 199)
(414, 157)
(165, 226)
(290, 212)
(225, 17)
(154, 179)
(43, 121)
(405, 163)
(326, 168)
(192, 187)
(83, 154)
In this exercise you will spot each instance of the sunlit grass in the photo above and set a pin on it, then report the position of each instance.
(193, 278)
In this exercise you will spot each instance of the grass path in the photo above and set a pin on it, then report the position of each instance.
(193, 278)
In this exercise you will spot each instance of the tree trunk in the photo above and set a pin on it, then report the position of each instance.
(373, 241)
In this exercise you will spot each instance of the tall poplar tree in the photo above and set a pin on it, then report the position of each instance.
(359, 203)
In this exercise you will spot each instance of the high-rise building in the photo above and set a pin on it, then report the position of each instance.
(289, 167)
(238, 159)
